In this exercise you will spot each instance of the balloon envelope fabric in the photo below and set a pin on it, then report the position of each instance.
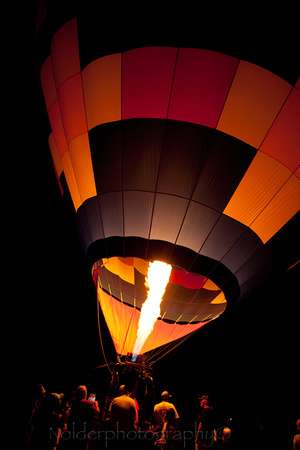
(183, 155)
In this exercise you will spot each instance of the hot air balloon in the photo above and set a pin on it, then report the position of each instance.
(182, 155)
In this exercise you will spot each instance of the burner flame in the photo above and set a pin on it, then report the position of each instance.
(158, 276)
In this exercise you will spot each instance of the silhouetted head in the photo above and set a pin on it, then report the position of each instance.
(123, 390)
(165, 396)
(204, 401)
(80, 393)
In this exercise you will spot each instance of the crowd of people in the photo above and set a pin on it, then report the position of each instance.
(76, 422)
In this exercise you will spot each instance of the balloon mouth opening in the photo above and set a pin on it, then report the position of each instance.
(188, 298)
(190, 301)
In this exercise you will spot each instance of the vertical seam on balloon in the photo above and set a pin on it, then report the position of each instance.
(88, 136)
(155, 194)
(212, 140)
(68, 144)
(84, 103)
(101, 219)
(159, 164)
(127, 331)
(172, 83)
(271, 126)
(122, 160)
(122, 53)
(267, 204)
(227, 95)
(64, 131)
(56, 90)
(217, 262)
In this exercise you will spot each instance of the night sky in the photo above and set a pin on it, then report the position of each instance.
(247, 360)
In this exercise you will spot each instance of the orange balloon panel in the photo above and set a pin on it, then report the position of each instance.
(119, 267)
(122, 322)
(77, 166)
(254, 100)
(82, 164)
(279, 210)
(139, 264)
(71, 104)
(102, 90)
(260, 189)
(282, 141)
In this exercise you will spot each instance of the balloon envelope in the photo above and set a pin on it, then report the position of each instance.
(181, 155)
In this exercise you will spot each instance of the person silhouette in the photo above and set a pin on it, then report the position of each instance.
(161, 409)
(207, 422)
(296, 441)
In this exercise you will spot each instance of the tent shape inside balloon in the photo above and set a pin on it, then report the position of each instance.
(182, 155)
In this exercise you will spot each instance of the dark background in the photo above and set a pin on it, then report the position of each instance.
(247, 360)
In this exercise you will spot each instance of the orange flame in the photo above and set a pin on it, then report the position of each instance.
(156, 282)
